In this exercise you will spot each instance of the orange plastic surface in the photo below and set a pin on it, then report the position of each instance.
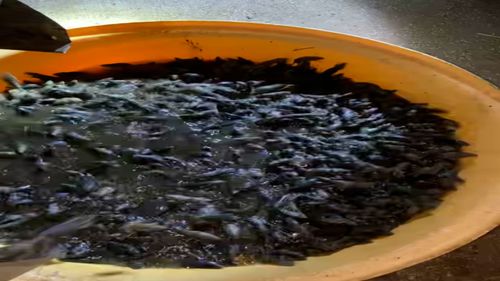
(463, 216)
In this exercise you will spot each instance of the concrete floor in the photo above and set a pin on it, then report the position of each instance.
(463, 32)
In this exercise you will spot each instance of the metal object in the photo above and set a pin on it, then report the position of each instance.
(22, 28)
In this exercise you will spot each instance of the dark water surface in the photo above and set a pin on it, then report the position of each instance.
(197, 163)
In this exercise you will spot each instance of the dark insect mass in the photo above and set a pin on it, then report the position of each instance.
(206, 164)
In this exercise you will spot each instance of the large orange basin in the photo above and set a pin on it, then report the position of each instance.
(464, 215)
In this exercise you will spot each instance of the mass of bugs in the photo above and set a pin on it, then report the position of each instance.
(213, 163)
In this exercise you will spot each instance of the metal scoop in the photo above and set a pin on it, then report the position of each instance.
(23, 28)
